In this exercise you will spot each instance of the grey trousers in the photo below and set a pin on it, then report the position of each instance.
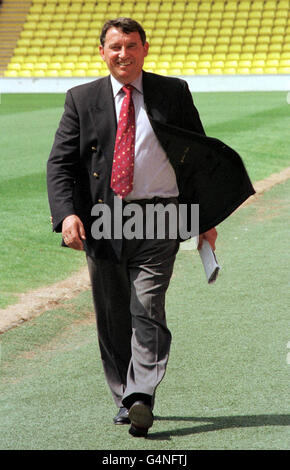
(129, 301)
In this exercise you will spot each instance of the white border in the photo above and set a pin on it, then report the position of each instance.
(197, 83)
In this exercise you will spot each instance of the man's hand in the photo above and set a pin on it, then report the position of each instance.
(210, 236)
(73, 232)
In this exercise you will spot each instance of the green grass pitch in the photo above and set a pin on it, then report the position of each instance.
(227, 383)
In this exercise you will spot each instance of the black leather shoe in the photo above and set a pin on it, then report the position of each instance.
(138, 432)
(141, 418)
(122, 417)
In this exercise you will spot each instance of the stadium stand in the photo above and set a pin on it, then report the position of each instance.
(187, 37)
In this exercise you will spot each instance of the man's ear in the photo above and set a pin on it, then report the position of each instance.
(101, 51)
(146, 48)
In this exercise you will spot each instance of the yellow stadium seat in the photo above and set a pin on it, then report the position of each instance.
(47, 50)
(153, 7)
(210, 40)
(200, 24)
(283, 4)
(27, 34)
(217, 64)
(30, 25)
(161, 71)
(175, 71)
(39, 73)
(63, 8)
(163, 15)
(93, 73)
(24, 42)
(218, 6)
(52, 73)
(242, 23)
(270, 70)
(77, 42)
(36, 9)
(214, 24)
(196, 40)
(171, 41)
(201, 71)
(20, 50)
(258, 63)
(49, 8)
(194, 49)
(33, 17)
(284, 70)
(281, 14)
(223, 40)
(256, 14)
(60, 50)
(270, 5)
(54, 66)
(74, 8)
(183, 41)
(11, 73)
(264, 39)
(51, 42)
(182, 49)
(101, 6)
(231, 6)
(262, 48)
(257, 5)
(268, 14)
(40, 65)
(79, 73)
(275, 47)
(161, 32)
(208, 48)
(244, 5)
(140, 6)
(24, 73)
(284, 63)
(171, 32)
(256, 70)
(242, 70)
(43, 25)
(166, 6)
(14, 66)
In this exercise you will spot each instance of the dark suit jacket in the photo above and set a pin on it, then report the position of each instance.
(79, 166)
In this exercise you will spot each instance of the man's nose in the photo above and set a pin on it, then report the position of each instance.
(123, 52)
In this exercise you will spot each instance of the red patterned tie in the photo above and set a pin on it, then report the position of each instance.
(124, 153)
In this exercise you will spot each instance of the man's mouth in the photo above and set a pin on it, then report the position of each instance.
(124, 63)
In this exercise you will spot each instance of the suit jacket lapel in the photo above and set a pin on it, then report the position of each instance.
(155, 100)
(104, 115)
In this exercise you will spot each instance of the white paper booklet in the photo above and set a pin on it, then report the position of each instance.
(209, 261)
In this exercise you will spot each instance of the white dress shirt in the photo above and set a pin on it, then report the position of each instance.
(153, 172)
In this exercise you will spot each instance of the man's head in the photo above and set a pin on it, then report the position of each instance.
(123, 48)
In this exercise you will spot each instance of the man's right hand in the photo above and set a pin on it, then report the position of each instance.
(73, 232)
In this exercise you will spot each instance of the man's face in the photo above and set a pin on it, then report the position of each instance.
(124, 54)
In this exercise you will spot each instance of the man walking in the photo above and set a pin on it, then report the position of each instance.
(107, 147)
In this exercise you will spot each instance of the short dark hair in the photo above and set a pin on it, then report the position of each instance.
(127, 25)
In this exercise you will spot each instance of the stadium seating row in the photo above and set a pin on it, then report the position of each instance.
(186, 37)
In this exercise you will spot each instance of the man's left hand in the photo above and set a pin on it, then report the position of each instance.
(210, 236)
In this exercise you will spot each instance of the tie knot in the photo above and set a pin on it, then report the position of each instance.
(128, 89)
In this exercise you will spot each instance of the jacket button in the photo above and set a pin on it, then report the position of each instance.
(100, 200)
(96, 175)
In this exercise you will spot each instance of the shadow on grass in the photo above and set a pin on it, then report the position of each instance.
(218, 423)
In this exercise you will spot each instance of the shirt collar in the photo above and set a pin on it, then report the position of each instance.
(117, 86)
